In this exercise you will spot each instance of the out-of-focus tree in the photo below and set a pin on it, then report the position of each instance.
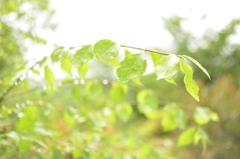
(216, 52)
(215, 49)
(19, 21)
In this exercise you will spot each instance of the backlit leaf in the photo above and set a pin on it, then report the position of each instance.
(169, 80)
(186, 137)
(82, 70)
(190, 84)
(106, 50)
(199, 65)
(49, 76)
(155, 58)
(137, 81)
(83, 55)
(114, 62)
(117, 93)
(133, 66)
(57, 154)
(147, 102)
(94, 89)
(167, 66)
(66, 65)
(173, 118)
(124, 111)
(203, 115)
(58, 54)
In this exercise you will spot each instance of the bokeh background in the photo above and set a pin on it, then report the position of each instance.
(208, 31)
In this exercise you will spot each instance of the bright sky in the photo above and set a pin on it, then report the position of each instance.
(130, 22)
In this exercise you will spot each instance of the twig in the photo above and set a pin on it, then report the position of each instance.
(13, 85)
(154, 51)
(149, 50)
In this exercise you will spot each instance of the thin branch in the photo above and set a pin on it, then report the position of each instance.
(13, 85)
(137, 48)
(154, 51)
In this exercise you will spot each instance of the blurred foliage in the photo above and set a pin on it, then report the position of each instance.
(81, 118)
(214, 49)
(216, 52)
(19, 21)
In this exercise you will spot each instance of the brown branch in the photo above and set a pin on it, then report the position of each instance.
(154, 51)
(13, 85)
(137, 48)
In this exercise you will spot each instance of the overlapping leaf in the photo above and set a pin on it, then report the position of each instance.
(49, 76)
(133, 66)
(190, 84)
(199, 65)
(83, 55)
(106, 50)
(167, 66)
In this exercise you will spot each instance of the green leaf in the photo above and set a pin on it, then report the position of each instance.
(49, 76)
(186, 137)
(190, 84)
(36, 71)
(133, 66)
(168, 123)
(106, 50)
(14, 135)
(199, 65)
(137, 81)
(204, 115)
(69, 116)
(21, 67)
(167, 66)
(83, 55)
(147, 103)
(114, 62)
(27, 122)
(124, 111)
(117, 93)
(58, 54)
(169, 80)
(66, 65)
(57, 154)
(173, 117)
(43, 62)
(24, 145)
(127, 53)
(82, 70)
(39, 155)
(77, 153)
(94, 89)
(155, 58)
(76, 93)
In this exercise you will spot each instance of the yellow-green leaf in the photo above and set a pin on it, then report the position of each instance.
(199, 65)
(49, 76)
(190, 84)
